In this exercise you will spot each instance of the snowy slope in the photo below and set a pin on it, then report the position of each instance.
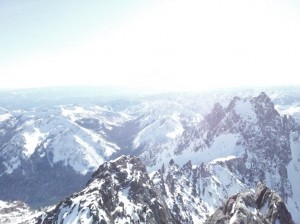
(121, 191)
(192, 193)
(76, 139)
(17, 212)
(246, 142)
(232, 145)
(160, 122)
(293, 171)
(57, 147)
(65, 134)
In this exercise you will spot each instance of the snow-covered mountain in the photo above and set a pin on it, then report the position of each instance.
(239, 145)
(199, 148)
(45, 145)
(40, 148)
(74, 136)
(121, 191)
(17, 212)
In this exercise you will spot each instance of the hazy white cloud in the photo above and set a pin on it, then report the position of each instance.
(177, 45)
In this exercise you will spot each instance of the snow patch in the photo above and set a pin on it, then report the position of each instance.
(233, 219)
(32, 140)
(245, 110)
(293, 170)
(4, 117)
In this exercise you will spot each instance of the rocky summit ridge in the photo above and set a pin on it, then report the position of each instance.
(121, 191)
(260, 207)
(212, 164)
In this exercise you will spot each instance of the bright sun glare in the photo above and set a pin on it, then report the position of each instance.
(175, 45)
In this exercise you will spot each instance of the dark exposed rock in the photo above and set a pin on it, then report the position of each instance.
(263, 138)
(262, 207)
(119, 190)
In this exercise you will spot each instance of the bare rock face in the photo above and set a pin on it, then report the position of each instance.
(277, 210)
(262, 207)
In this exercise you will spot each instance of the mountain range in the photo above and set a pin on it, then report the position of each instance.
(186, 154)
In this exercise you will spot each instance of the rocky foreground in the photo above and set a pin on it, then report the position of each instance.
(121, 191)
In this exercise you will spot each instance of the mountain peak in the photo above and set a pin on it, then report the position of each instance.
(263, 95)
(120, 191)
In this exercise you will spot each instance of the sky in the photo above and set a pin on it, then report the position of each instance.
(158, 44)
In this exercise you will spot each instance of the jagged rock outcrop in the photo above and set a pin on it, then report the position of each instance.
(229, 151)
(260, 137)
(241, 144)
(120, 191)
(192, 192)
(263, 206)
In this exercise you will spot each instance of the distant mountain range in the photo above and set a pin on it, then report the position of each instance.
(191, 152)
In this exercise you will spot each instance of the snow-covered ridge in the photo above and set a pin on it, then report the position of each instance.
(247, 141)
(76, 139)
(65, 134)
(121, 191)
(231, 145)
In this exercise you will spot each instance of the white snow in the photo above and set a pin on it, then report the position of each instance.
(15, 212)
(160, 131)
(4, 117)
(76, 152)
(292, 110)
(228, 158)
(32, 140)
(293, 170)
(233, 208)
(177, 127)
(245, 110)
(224, 148)
(94, 159)
(233, 218)
(3, 204)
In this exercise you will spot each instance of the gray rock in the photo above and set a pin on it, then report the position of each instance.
(262, 207)
(119, 191)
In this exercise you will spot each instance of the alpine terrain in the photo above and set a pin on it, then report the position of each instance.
(216, 157)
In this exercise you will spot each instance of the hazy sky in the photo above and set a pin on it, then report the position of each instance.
(170, 44)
